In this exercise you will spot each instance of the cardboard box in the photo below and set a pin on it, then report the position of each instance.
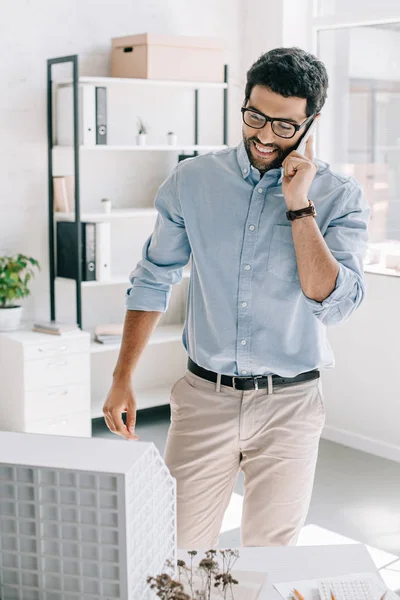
(182, 58)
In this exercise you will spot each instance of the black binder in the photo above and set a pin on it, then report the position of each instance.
(67, 250)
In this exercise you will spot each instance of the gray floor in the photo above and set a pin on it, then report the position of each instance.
(356, 496)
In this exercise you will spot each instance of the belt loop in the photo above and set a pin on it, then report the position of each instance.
(270, 385)
(218, 383)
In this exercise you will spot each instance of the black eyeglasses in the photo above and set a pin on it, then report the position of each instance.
(284, 129)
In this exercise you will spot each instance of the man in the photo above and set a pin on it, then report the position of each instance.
(263, 287)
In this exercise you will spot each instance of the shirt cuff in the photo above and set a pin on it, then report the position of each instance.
(344, 285)
(140, 297)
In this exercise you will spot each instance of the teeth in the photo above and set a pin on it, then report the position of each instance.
(263, 150)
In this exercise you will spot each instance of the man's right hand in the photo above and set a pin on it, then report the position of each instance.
(121, 398)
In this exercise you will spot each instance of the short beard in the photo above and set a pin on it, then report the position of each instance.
(275, 164)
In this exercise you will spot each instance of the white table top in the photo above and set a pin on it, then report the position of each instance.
(291, 563)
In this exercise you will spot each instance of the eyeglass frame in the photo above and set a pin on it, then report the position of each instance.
(270, 120)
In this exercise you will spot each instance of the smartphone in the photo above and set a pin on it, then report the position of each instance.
(310, 131)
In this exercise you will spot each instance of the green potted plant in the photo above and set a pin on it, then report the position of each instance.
(15, 274)
(142, 131)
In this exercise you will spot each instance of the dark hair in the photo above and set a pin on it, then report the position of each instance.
(291, 72)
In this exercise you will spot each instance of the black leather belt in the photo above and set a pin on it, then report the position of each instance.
(252, 382)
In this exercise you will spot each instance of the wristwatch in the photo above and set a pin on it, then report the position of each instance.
(302, 212)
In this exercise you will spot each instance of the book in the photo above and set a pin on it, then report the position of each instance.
(64, 193)
(115, 329)
(67, 250)
(54, 327)
(108, 339)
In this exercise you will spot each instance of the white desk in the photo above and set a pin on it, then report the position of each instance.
(292, 563)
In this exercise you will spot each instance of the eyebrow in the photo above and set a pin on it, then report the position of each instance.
(279, 118)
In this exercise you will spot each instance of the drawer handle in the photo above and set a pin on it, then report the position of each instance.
(63, 393)
(63, 422)
(54, 348)
(61, 363)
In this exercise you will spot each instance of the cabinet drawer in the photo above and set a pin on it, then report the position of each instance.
(60, 400)
(52, 372)
(76, 424)
(58, 347)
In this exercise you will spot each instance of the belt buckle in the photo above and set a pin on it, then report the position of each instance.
(253, 377)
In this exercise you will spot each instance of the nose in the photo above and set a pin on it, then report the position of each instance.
(266, 135)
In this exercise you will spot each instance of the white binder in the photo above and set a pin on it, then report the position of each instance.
(103, 251)
(87, 115)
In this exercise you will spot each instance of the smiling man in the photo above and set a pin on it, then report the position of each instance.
(277, 244)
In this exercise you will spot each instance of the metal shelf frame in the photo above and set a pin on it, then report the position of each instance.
(73, 59)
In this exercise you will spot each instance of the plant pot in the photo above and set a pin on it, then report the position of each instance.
(106, 206)
(172, 139)
(141, 139)
(10, 318)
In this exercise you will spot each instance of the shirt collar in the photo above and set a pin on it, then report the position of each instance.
(244, 165)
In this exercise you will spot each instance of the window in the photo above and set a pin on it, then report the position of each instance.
(359, 133)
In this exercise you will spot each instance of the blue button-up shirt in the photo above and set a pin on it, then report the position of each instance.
(246, 311)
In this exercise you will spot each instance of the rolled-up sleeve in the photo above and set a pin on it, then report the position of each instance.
(347, 239)
(164, 255)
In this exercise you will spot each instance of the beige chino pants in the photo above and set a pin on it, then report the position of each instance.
(273, 438)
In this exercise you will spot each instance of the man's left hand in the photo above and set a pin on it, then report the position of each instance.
(299, 172)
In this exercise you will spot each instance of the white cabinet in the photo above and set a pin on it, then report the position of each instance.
(45, 383)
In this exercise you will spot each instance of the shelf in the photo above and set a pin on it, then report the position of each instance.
(380, 270)
(161, 335)
(130, 213)
(126, 81)
(148, 398)
(148, 148)
(115, 280)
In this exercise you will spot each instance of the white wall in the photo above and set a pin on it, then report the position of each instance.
(268, 24)
(31, 32)
(362, 393)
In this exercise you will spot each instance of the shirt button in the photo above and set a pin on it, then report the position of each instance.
(244, 372)
(244, 304)
(260, 190)
(251, 227)
(247, 267)
(243, 342)
(244, 170)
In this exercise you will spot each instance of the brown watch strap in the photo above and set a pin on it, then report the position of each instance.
(309, 211)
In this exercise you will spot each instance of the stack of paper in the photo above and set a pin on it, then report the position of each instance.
(109, 333)
(310, 589)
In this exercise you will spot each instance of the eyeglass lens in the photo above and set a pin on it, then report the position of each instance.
(257, 121)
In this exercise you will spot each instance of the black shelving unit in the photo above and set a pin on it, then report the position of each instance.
(73, 59)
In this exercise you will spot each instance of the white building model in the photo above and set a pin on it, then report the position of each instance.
(83, 519)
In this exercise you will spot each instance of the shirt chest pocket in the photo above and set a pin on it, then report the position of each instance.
(282, 256)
